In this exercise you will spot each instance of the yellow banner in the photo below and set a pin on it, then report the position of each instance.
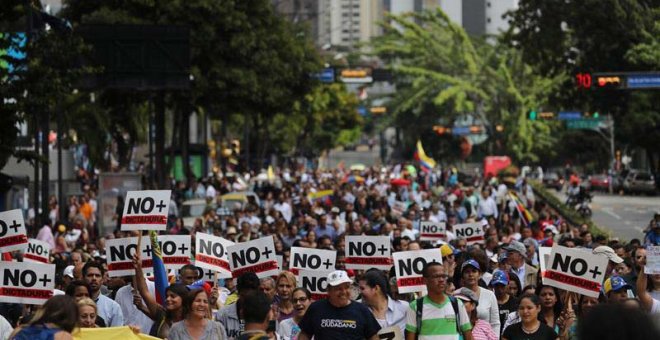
(109, 333)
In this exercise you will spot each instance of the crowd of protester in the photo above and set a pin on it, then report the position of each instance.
(485, 291)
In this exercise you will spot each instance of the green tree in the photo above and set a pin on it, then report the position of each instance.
(442, 73)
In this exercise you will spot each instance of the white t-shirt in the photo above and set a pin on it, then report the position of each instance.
(5, 328)
(132, 315)
(488, 309)
(288, 329)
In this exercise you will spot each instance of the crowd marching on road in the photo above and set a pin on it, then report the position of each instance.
(363, 253)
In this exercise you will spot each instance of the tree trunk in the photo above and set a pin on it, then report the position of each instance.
(159, 140)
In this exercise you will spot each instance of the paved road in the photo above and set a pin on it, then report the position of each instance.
(624, 216)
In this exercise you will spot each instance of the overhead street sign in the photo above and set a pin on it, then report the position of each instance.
(583, 124)
(644, 81)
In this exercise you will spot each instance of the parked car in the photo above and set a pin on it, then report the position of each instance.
(553, 180)
(192, 210)
(238, 199)
(599, 182)
(639, 182)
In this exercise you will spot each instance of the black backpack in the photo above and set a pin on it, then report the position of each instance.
(420, 308)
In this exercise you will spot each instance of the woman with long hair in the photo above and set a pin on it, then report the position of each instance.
(285, 284)
(551, 307)
(374, 288)
(301, 298)
(197, 323)
(480, 328)
(55, 320)
(163, 318)
(529, 327)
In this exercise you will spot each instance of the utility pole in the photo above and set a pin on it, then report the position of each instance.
(610, 125)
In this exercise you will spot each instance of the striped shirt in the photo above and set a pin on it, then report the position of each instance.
(438, 320)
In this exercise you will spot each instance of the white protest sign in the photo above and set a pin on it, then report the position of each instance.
(174, 249)
(26, 282)
(316, 281)
(119, 255)
(473, 233)
(408, 267)
(37, 251)
(390, 333)
(652, 260)
(280, 261)
(146, 210)
(544, 259)
(311, 259)
(12, 231)
(366, 252)
(205, 274)
(432, 231)
(576, 271)
(211, 253)
(256, 256)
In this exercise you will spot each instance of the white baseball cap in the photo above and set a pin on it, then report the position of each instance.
(609, 252)
(68, 271)
(338, 277)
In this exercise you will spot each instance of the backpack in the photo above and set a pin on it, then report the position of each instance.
(420, 308)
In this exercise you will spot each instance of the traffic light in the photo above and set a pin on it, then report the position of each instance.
(532, 115)
(596, 115)
(609, 81)
(441, 130)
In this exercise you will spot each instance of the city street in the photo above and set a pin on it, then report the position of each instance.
(624, 216)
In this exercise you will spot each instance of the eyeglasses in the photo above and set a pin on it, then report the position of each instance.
(302, 299)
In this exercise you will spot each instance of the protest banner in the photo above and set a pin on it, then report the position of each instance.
(211, 253)
(175, 250)
(408, 266)
(390, 333)
(473, 233)
(256, 256)
(432, 231)
(119, 255)
(652, 260)
(544, 259)
(12, 231)
(311, 259)
(146, 210)
(26, 282)
(37, 251)
(366, 252)
(316, 281)
(576, 271)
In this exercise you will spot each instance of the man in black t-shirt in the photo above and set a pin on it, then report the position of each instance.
(337, 317)
(506, 303)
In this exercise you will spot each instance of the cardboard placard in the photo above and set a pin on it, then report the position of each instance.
(473, 233)
(316, 281)
(311, 259)
(26, 282)
(652, 260)
(432, 231)
(211, 253)
(119, 255)
(544, 259)
(256, 256)
(175, 250)
(37, 251)
(12, 231)
(366, 252)
(576, 271)
(146, 210)
(408, 267)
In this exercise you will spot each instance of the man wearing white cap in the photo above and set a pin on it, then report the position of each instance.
(337, 317)
(611, 255)
(517, 253)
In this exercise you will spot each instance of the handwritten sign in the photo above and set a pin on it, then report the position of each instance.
(652, 260)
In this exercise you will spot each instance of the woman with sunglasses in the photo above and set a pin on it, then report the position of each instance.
(301, 299)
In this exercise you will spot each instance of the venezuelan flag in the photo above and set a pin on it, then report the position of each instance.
(525, 216)
(160, 274)
(427, 163)
(323, 195)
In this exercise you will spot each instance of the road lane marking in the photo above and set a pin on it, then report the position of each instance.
(609, 211)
